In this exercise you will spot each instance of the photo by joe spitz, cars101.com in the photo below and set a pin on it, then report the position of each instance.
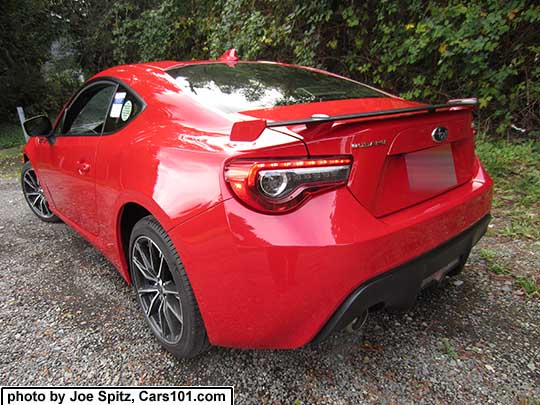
(260, 204)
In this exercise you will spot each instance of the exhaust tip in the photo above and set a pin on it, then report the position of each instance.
(357, 323)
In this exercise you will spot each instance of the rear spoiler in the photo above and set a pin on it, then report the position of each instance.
(250, 130)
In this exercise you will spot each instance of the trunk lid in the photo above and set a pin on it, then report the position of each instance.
(397, 161)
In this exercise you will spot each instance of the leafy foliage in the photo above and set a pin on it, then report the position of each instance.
(515, 166)
(25, 38)
(426, 50)
(11, 135)
(431, 51)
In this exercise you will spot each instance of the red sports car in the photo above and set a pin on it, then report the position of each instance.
(259, 204)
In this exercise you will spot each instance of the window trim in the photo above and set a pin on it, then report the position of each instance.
(83, 90)
(91, 83)
(135, 96)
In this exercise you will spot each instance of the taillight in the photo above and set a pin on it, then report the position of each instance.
(279, 185)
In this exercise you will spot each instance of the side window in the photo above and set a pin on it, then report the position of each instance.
(125, 107)
(87, 114)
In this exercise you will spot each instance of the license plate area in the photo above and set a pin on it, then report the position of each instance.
(414, 177)
(431, 171)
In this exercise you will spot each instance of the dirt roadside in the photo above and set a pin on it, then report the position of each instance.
(66, 317)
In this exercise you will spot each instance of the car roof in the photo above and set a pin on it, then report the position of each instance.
(230, 57)
(138, 75)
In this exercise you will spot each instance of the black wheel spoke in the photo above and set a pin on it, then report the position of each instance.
(47, 209)
(160, 318)
(169, 288)
(143, 270)
(157, 290)
(153, 302)
(150, 255)
(161, 259)
(35, 196)
(176, 312)
(38, 198)
(30, 183)
(168, 319)
(148, 290)
(29, 179)
(145, 260)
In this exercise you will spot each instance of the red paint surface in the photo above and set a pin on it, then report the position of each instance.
(261, 280)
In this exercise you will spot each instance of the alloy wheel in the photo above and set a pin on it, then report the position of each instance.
(35, 196)
(157, 290)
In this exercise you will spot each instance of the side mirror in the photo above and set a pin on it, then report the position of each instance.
(38, 126)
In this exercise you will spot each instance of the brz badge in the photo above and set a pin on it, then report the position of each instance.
(369, 144)
(439, 134)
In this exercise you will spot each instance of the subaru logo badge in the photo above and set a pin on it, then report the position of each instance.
(439, 134)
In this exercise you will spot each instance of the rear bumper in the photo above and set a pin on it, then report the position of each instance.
(264, 281)
(398, 288)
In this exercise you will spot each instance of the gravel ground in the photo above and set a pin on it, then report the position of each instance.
(67, 317)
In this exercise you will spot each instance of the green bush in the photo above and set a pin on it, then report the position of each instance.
(430, 51)
(485, 49)
(515, 168)
(11, 135)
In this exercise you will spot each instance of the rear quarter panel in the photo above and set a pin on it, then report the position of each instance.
(169, 159)
(142, 165)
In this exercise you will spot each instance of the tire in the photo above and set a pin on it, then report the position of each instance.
(34, 196)
(164, 292)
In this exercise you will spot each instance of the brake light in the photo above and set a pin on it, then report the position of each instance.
(279, 186)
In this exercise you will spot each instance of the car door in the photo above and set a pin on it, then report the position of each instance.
(67, 164)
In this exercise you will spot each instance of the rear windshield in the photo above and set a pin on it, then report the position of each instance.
(253, 86)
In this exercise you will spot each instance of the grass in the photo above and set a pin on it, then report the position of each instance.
(11, 142)
(10, 162)
(449, 349)
(515, 168)
(10, 153)
(10, 136)
(529, 401)
(493, 264)
(529, 285)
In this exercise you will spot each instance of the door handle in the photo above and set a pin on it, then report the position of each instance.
(83, 167)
